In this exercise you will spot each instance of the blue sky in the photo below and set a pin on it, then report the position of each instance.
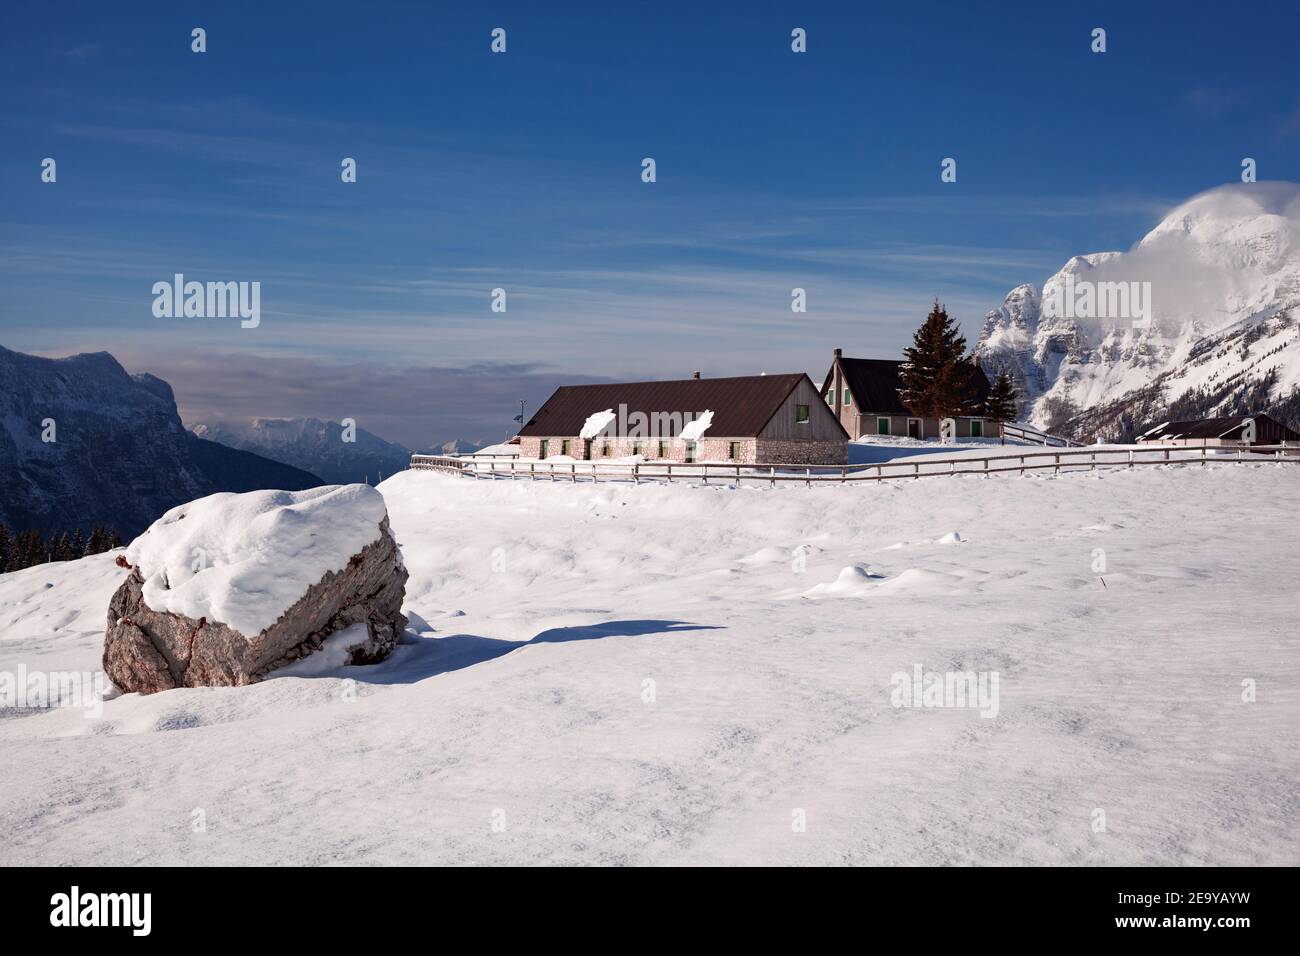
(522, 171)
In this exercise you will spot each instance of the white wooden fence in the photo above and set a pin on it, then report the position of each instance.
(924, 466)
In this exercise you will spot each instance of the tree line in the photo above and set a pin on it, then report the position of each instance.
(29, 548)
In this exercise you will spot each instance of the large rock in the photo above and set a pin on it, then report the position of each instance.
(225, 589)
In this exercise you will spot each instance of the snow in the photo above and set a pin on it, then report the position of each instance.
(694, 430)
(596, 423)
(504, 449)
(626, 674)
(1222, 262)
(245, 559)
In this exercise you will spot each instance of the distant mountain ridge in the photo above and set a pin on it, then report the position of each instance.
(1223, 271)
(314, 445)
(119, 455)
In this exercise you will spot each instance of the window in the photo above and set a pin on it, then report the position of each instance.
(638, 448)
(830, 397)
(976, 428)
(848, 399)
(546, 444)
(564, 447)
(663, 449)
(605, 450)
(733, 450)
(800, 414)
(882, 426)
(691, 448)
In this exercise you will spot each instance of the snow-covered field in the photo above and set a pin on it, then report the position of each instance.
(654, 674)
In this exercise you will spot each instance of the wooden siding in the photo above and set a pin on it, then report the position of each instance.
(821, 419)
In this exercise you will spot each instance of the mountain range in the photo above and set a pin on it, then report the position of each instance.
(83, 442)
(339, 454)
(1217, 333)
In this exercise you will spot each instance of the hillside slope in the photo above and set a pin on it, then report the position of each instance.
(677, 675)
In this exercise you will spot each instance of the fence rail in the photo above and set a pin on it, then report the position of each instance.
(1058, 460)
(1033, 435)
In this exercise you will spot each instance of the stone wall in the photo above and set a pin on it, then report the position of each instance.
(776, 451)
(752, 451)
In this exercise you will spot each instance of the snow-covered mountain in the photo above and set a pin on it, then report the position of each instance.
(83, 442)
(1200, 316)
(321, 447)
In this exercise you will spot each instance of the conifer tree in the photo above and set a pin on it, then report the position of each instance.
(935, 375)
(6, 548)
(1000, 406)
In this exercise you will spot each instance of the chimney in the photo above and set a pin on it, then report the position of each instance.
(837, 383)
(695, 375)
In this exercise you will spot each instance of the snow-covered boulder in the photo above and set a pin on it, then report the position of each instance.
(226, 588)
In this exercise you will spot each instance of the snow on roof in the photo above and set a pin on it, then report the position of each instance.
(245, 559)
(695, 429)
(596, 423)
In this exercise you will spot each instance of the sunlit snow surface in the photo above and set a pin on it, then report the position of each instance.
(655, 674)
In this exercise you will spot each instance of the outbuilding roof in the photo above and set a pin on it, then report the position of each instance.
(1229, 429)
(874, 384)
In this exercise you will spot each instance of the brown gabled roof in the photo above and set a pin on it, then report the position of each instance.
(874, 384)
(1266, 429)
(741, 406)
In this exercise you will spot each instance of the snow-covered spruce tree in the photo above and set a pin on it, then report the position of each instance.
(934, 376)
(1000, 406)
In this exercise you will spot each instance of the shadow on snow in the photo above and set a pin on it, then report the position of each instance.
(422, 656)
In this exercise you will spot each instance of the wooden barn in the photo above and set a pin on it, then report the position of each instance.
(753, 419)
(863, 395)
(1229, 432)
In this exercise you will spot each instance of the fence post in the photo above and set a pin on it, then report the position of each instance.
(635, 479)
(844, 471)
(774, 476)
(807, 481)
(1057, 456)
(1022, 466)
(1130, 457)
